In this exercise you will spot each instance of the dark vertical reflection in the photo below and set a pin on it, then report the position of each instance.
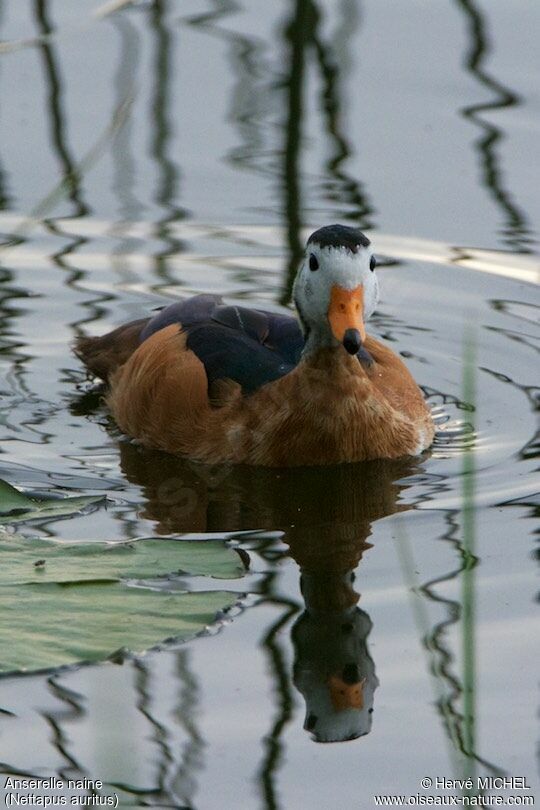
(5, 200)
(273, 745)
(14, 359)
(123, 168)
(183, 780)
(251, 104)
(123, 163)
(253, 95)
(298, 33)
(159, 735)
(175, 781)
(340, 186)
(176, 769)
(516, 230)
(169, 175)
(458, 724)
(57, 118)
(72, 710)
(302, 35)
(260, 84)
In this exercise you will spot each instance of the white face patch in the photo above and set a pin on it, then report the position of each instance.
(336, 266)
(308, 289)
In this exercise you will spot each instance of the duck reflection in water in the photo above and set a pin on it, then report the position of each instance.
(326, 515)
(333, 668)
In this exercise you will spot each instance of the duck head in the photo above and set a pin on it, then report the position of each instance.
(336, 289)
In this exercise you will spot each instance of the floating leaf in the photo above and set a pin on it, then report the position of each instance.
(62, 604)
(139, 559)
(16, 506)
(11, 499)
(43, 626)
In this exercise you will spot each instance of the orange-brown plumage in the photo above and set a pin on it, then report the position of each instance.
(330, 407)
(103, 355)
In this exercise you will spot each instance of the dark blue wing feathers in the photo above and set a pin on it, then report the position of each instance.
(188, 312)
(285, 336)
(229, 354)
(251, 347)
(250, 322)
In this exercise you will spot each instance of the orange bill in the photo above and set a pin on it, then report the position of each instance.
(346, 311)
(346, 695)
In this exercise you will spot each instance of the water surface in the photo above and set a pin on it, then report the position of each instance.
(162, 149)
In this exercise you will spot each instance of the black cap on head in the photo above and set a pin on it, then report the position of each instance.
(351, 674)
(339, 236)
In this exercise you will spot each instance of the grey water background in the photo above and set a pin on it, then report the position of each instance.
(158, 148)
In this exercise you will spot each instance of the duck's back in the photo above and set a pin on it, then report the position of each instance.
(250, 347)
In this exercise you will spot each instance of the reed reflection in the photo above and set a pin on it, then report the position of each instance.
(55, 106)
(5, 197)
(303, 39)
(124, 175)
(264, 85)
(171, 745)
(168, 172)
(516, 229)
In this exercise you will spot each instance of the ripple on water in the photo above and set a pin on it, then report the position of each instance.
(441, 302)
(56, 433)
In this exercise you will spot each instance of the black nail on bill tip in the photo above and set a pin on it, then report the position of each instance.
(352, 341)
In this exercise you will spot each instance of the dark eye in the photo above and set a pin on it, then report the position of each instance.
(313, 262)
(372, 263)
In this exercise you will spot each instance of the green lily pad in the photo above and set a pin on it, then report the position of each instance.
(17, 507)
(138, 559)
(44, 626)
(62, 604)
(11, 498)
